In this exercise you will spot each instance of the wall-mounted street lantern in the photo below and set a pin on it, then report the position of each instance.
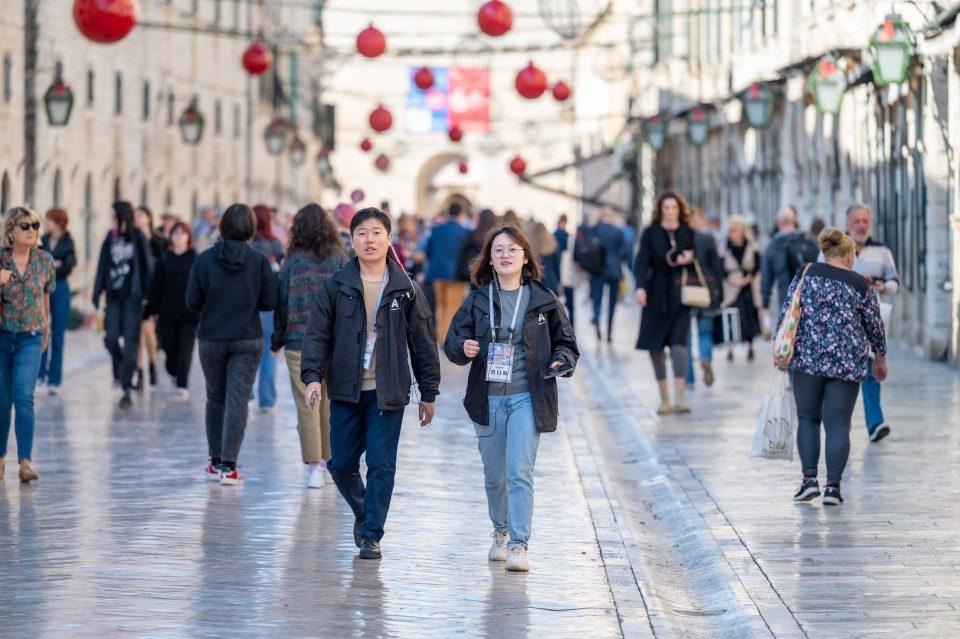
(827, 83)
(655, 132)
(892, 46)
(298, 151)
(275, 135)
(758, 104)
(58, 100)
(698, 126)
(191, 123)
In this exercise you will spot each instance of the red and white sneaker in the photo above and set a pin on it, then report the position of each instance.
(233, 478)
(212, 473)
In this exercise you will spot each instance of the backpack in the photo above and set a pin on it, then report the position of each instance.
(800, 252)
(590, 254)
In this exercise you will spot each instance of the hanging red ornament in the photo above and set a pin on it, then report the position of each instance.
(366, 145)
(455, 134)
(495, 18)
(423, 78)
(380, 119)
(105, 21)
(257, 58)
(463, 168)
(371, 42)
(531, 82)
(382, 163)
(517, 165)
(561, 91)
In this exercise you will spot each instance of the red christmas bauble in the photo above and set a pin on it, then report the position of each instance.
(380, 119)
(257, 59)
(423, 78)
(371, 42)
(517, 165)
(455, 134)
(495, 18)
(463, 168)
(366, 145)
(382, 163)
(531, 82)
(561, 91)
(105, 21)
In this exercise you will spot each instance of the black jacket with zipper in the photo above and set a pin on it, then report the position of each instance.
(547, 337)
(334, 342)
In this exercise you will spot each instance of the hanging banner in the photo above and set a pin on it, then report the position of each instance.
(459, 97)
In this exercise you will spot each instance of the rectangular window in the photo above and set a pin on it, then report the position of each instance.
(146, 100)
(236, 15)
(91, 84)
(171, 102)
(7, 80)
(217, 117)
(216, 11)
(663, 26)
(236, 121)
(118, 95)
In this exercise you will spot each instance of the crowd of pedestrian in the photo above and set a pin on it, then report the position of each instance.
(360, 308)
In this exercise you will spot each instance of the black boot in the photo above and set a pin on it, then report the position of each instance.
(138, 380)
(153, 373)
(369, 549)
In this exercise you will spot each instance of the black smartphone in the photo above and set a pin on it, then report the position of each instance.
(562, 369)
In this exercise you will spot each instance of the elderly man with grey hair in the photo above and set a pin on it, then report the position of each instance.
(875, 262)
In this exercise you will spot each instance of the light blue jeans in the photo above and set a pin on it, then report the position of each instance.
(508, 448)
(19, 366)
(266, 384)
(871, 399)
(704, 341)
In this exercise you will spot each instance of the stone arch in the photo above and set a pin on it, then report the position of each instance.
(429, 199)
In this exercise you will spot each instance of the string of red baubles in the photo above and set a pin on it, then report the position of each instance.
(108, 21)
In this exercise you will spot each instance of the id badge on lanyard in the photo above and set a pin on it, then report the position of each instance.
(370, 342)
(500, 355)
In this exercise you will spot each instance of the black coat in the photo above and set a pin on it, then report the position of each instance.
(229, 285)
(547, 337)
(170, 278)
(102, 283)
(333, 345)
(664, 321)
(65, 251)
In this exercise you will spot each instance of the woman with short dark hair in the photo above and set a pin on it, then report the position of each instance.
(229, 286)
(176, 323)
(58, 243)
(314, 253)
(123, 276)
(515, 335)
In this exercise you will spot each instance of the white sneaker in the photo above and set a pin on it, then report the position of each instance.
(182, 394)
(517, 558)
(315, 477)
(498, 549)
(53, 391)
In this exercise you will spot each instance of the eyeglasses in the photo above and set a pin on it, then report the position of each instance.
(26, 226)
(510, 251)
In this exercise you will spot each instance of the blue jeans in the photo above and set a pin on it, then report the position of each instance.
(508, 447)
(597, 285)
(361, 428)
(51, 368)
(19, 366)
(871, 399)
(266, 382)
(704, 341)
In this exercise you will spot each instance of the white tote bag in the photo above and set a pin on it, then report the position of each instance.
(777, 423)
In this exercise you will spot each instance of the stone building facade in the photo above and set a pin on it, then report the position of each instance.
(891, 147)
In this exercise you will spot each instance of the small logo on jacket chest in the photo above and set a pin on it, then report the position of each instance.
(395, 305)
(541, 320)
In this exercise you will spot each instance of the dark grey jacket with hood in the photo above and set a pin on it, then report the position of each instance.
(229, 285)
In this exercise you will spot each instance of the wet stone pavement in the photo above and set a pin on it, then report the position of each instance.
(643, 526)
(121, 536)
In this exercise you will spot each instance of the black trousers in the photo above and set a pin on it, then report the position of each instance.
(121, 320)
(830, 401)
(177, 339)
(229, 369)
(568, 302)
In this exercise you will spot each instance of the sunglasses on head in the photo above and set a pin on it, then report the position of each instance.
(26, 226)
